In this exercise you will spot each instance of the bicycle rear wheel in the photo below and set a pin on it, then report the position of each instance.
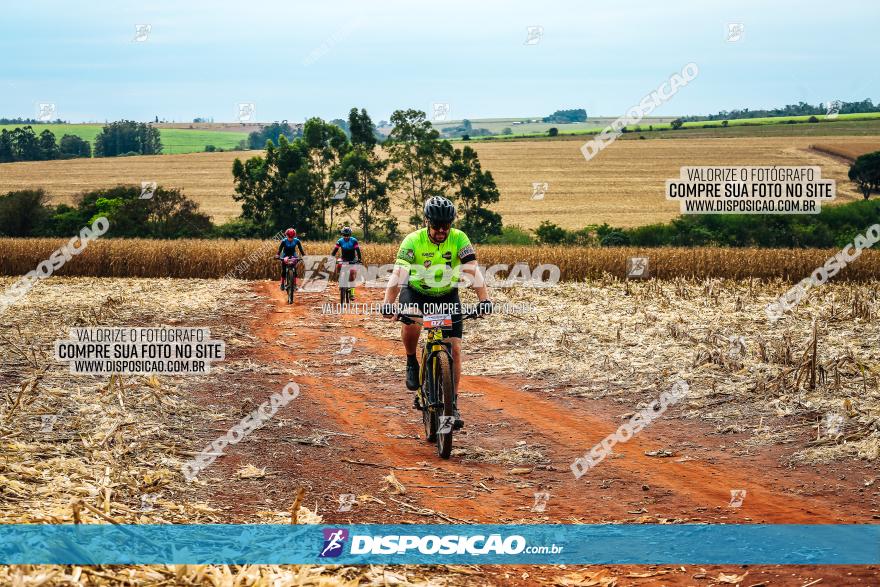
(444, 415)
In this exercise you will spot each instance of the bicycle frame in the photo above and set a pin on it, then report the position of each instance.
(434, 345)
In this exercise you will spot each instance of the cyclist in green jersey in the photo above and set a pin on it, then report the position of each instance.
(428, 268)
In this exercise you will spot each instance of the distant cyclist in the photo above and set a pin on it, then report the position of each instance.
(348, 245)
(287, 248)
(440, 253)
(351, 251)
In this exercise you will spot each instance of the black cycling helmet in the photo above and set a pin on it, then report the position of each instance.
(346, 231)
(439, 210)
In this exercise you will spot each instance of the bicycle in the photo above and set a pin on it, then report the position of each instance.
(346, 294)
(290, 267)
(437, 395)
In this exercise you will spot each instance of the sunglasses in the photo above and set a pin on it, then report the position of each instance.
(445, 226)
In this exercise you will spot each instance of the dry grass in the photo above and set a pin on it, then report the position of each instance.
(628, 342)
(850, 148)
(114, 449)
(623, 186)
(212, 259)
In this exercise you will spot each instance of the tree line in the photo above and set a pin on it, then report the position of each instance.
(307, 180)
(23, 144)
(799, 109)
(124, 137)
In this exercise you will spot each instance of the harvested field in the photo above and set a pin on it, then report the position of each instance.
(623, 185)
(82, 449)
(532, 404)
(252, 259)
(204, 177)
(849, 149)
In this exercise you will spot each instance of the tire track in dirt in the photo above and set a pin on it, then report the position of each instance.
(375, 430)
(373, 409)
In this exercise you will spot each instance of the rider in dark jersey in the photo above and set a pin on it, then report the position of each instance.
(350, 250)
(349, 247)
(287, 248)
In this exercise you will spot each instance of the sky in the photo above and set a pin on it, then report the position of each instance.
(293, 60)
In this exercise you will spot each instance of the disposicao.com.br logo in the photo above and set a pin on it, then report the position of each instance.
(431, 544)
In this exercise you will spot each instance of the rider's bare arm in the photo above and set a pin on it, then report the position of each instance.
(471, 272)
(398, 278)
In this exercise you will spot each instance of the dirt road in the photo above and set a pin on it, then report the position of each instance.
(353, 425)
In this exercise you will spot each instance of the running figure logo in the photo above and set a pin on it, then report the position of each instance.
(334, 540)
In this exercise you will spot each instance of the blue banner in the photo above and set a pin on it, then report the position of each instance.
(687, 544)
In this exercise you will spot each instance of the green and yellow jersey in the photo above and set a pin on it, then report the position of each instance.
(434, 269)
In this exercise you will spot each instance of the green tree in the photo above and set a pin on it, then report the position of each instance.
(275, 190)
(167, 214)
(473, 189)
(25, 144)
(270, 132)
(865, 172)
(365, 171)
(676, 124)
(72, 146)
(127, 136)
(7, 154)
(48, 146)
(326, 144)
(363, 131)
(419, 159)
(553, 131)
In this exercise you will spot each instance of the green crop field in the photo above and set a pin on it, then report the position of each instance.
(845, 125)
(174, 140)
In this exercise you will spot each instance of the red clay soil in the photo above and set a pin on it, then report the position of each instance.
(370, 429)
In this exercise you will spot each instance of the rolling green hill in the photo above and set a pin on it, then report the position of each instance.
(174, 140)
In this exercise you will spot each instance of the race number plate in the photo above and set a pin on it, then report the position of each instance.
(437, 321)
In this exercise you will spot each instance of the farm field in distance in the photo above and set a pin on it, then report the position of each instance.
(174, 140)
(623, 185)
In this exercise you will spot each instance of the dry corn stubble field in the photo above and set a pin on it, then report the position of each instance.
(253, 259)
(627, 340)
(114, 449)
(623, 185)
(95, 450)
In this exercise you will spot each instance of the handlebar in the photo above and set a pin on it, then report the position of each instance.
(414, 318)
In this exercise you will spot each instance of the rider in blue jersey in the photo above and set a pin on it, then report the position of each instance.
(349, 247)
(350, 250)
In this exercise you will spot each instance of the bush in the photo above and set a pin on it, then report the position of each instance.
(676, 124)
(614, 239)
(553, 131)
(511, 235)
(725, 123)
(240, 228)
(549, 233)
(506, 131)
(812, 119)
(23, 213)
(210, 148)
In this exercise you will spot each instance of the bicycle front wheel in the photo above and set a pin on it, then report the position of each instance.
(444, 415)
(291, 285)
